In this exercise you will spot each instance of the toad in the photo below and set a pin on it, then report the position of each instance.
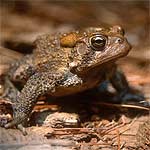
(65, 64)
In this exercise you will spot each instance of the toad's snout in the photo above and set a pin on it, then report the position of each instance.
(127, 46)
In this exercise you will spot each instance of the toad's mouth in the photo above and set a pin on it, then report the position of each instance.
(104, 58)
(112, 58)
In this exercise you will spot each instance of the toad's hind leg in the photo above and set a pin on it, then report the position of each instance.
(22, 69)
(19, 71)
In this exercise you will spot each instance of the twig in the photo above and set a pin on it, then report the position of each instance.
(122, 105)
(118, 135)
(122, 145)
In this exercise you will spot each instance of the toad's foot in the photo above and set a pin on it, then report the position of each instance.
(130, 98)
(19, 126)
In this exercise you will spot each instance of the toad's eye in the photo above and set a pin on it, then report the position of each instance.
(98, 42)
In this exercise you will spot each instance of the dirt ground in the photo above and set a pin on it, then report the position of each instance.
(104, 125)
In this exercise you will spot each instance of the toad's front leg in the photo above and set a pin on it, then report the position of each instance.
(37, 85)
(120, 83)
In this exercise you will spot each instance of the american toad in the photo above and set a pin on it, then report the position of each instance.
(68, 63)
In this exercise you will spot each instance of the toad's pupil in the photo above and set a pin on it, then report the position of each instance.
(98, 42)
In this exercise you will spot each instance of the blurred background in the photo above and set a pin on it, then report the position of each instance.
(23, 20)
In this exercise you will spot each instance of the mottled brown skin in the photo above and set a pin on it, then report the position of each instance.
(68, 63)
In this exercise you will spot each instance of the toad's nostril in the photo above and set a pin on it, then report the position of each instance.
(120, 40)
